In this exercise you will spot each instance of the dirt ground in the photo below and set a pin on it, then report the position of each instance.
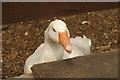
(21, 39)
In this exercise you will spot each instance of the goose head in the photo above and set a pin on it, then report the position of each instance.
(59, 34)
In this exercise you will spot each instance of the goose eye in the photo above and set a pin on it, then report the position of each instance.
(54, 30)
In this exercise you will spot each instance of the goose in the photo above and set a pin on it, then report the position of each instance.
(57, 46)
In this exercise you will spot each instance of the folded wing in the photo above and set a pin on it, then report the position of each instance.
(80, 47)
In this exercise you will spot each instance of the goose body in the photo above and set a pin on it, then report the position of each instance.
(57, 46)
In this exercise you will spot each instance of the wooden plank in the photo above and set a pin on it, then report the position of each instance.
(92, 66)
(13, 12)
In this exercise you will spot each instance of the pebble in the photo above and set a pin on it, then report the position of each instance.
(48, 20)
(104, 34)
(27, 53)
(16, 53)
(106, 37)
(6, 76)
(21, 23)
(114, 30)
(86, 22)
(88, 13)
(1, 60)
(115, 41)
(64, 18)
(26, 33)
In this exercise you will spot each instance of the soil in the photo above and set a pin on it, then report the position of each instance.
(19, 40)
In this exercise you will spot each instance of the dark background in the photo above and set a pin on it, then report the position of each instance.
(22, 11)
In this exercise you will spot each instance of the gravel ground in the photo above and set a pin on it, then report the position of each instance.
(21, 39)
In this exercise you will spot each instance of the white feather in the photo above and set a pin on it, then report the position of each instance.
(81, 46)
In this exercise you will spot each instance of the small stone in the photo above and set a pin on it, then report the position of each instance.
(48, 20)
(21, 23)
(115, 41)
(26, 33)
(55, 18)
(115, 30)
(25, 41)
(17, 36)
(104, 34)
(64, 18)
(106, 37)
(27, 53)
(86, 22)
(6, 76)
(1, 60)
(16, 52)
(88, 13)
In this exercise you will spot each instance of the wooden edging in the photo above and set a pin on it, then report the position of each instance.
(91, 66)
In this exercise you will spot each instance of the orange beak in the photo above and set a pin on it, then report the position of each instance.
(65, 41)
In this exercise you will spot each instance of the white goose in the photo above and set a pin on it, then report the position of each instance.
(57, 46)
